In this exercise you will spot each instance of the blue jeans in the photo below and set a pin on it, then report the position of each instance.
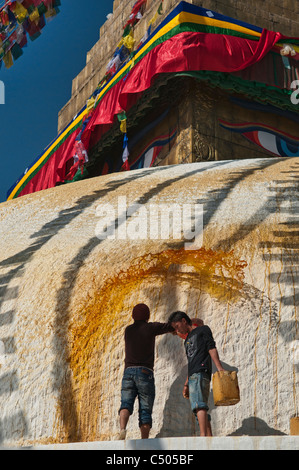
(199, 390)
(138, 382)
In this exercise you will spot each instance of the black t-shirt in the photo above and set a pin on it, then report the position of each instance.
(140, 342)
(197, 346)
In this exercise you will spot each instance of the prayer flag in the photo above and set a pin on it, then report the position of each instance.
(123, 126)
(17, 18)
(8, 60)
(16, 51)
(20, 12)
(34, 15)
(122, 117)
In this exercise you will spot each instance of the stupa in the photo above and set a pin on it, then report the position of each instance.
(77, 256)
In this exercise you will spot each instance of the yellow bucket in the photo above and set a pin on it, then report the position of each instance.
(294, 426)
(225, 388)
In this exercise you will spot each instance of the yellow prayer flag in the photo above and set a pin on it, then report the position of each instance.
(154, 19)
(49, 13)
(20, 12)
(34, 15)
(90, 104)
(8, 60)
(129, 41)
(123, 126)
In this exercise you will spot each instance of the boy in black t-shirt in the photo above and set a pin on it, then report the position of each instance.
(200, 348)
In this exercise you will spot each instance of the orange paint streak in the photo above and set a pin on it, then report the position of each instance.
(102, 322)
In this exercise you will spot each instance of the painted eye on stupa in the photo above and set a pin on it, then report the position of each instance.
(274, 141)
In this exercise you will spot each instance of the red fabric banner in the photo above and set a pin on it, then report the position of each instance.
(188, 51)
(54, 170)
(183, 52)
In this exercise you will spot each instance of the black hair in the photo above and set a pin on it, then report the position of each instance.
(178, 316)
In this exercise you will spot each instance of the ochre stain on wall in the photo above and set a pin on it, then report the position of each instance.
(217, 273)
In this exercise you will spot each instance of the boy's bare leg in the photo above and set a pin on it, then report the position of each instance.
(124, 416)
(202, 417)
(145, 430)
(209, 428)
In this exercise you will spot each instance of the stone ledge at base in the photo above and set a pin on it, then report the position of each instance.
(184, 444)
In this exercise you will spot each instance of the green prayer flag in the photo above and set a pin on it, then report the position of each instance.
(16, 51)
(127, 30)
(42, 8)
(122, 116)
(30, 9)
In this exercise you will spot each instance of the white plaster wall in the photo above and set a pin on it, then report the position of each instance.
(62, 327)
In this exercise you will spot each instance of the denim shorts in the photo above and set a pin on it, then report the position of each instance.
(138, 382)
(199, 390)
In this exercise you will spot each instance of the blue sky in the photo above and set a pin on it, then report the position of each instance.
(39, 84)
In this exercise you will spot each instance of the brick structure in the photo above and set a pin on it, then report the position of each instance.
(276, 15)
(196, 107)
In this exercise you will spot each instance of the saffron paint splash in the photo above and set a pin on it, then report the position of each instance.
(104, 318)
